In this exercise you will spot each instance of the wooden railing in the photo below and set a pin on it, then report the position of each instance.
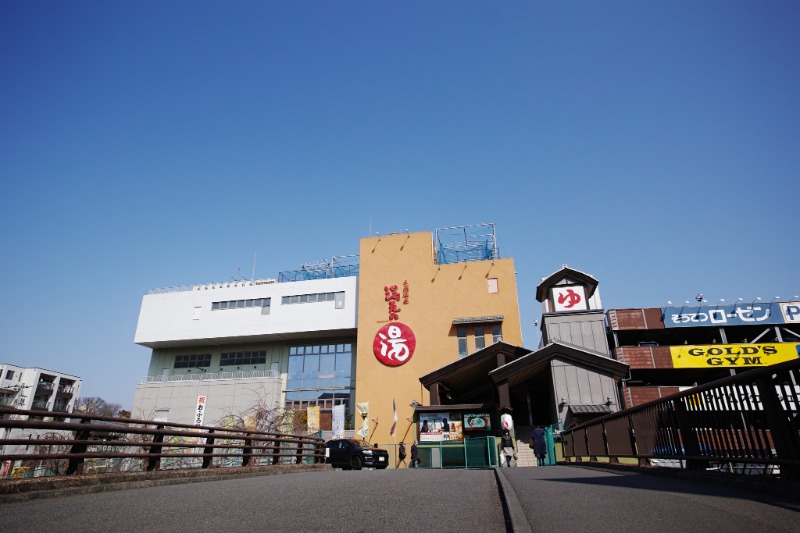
(79, 443)
(748, 421)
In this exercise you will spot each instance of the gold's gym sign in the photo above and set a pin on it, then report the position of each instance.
(733, 355)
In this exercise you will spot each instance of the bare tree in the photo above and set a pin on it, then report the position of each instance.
(94, 405)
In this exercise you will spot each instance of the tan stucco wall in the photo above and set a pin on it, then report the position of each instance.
(436, 297)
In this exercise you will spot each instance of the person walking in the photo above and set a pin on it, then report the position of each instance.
(414, 456)
(507, 447)
(402, 455)
(539, 445)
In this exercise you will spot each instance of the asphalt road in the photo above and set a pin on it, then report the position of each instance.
(584, 499)
(562, 498)
(330, 501)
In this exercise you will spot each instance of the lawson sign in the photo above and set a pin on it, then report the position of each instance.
(732, 315)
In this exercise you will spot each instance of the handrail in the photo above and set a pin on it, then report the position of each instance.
(747, 419)
(88, 441)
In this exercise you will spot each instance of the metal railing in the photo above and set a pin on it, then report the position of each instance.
(89, 443)
(748, 423)
(205, 376)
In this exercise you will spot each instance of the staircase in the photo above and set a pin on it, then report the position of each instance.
(525, 456)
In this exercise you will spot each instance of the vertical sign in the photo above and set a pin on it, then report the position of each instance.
(337, 424)
(200, 411)
(313, 418)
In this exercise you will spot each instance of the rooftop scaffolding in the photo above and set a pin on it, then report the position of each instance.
(338, 267)
(461, 244)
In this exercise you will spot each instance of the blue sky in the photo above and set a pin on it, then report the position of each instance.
(655, 145)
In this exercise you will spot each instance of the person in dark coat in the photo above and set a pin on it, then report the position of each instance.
(414, 456)
(507, 447)
(402, 454)
(539, 445)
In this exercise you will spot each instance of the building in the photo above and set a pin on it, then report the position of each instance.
(312, 337)
(246, 349)
(426, 300)
(38, 389)
(569, 379)
(673, 348)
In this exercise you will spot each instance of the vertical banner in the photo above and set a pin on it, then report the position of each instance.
(313, 418)
(338, 421)
(364, 431)
(394, 425)
(200, 411)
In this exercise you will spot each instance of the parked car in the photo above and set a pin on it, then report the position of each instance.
(355, 454)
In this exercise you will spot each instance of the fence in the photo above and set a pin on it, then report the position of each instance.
(479, 452)
(88, 443)
(746, 423)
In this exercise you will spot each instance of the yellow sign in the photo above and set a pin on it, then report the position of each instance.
(313, 418)
(732, 355)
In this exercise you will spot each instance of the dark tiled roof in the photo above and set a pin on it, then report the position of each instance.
(589, 409)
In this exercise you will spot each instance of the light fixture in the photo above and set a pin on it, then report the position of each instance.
(415, 404)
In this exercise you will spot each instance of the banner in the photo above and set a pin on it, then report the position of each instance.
(394, 425)
(312, 416)
(733, 355)
(732, 315)
(200, 411)
(364, 431)
(440, 427)
(337, 424)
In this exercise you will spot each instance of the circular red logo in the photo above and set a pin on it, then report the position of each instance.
(394, 344)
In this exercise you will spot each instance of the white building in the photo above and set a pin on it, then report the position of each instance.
(37, 388)
(229, 346)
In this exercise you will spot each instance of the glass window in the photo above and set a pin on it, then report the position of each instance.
(497, 333)
(343, 364)
(214, 305)
(461, 333)
(480, 340)
(9, 374)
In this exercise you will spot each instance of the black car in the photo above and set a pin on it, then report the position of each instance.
(353, 453)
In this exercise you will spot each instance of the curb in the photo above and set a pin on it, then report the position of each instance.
(511, 505)
(23, 490)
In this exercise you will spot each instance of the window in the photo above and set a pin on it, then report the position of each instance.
(243, 358)
(461, 333)
(320, 366)
(497, 333)
(9, 374)
(492, 285)
(338, 297)
(193, 361)
(480, 340)
(263, 303)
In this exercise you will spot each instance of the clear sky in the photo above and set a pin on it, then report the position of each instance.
(654, 145)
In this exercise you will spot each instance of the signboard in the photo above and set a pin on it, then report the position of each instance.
(394, 344)
(732, 315)
(200, 411)
(733, 355)
(569, 299)
(791, 312)
(477, 422)
(337, 422)
(312, 417)
(434, 427)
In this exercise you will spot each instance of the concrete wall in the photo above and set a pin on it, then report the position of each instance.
(175, 318)
(223, 398)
